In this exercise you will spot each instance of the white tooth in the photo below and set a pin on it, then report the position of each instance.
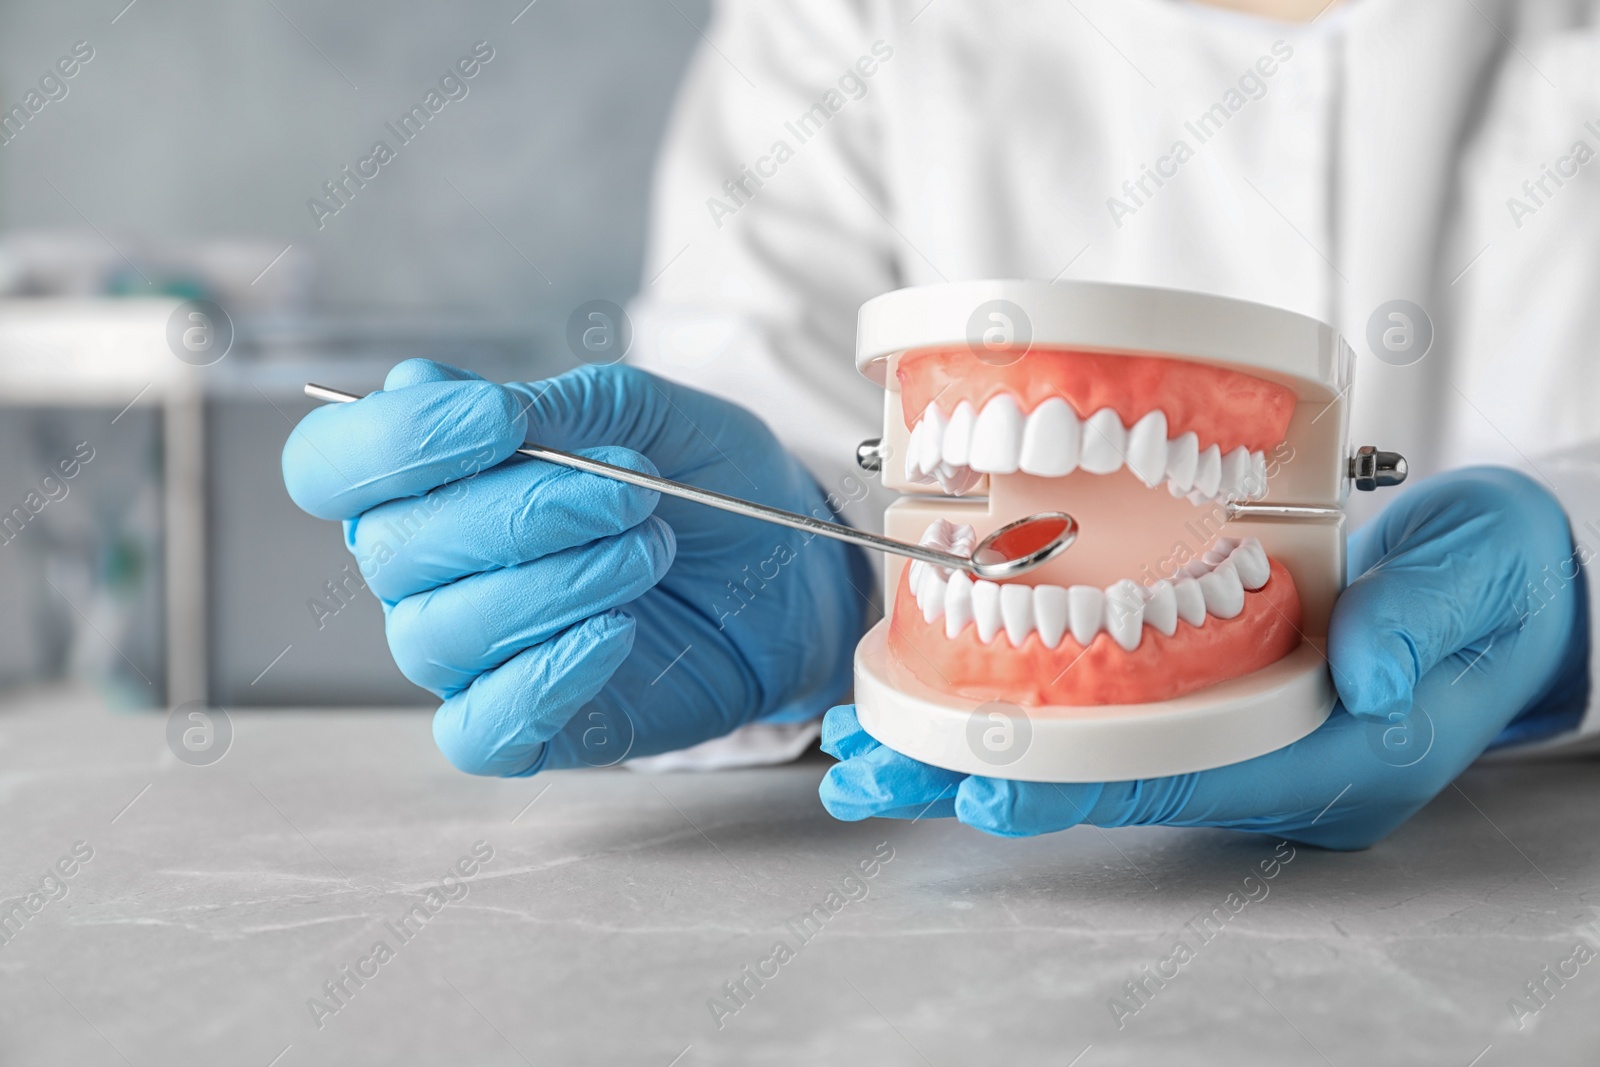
(1172, 487)
(1258, 476)
(957, 604)
(1147, 448)
(914, 578)
(1183, 453)
(1125, 614)
(1016, 611)
(1219, 551)
(1250, 560)
(1051, 439)
(958, 435)
(956, 480)
(939, 534)
(1235, 473)
(1161, 607)
(997, 436)
(1208, 472)
(962, 538)
(930, 450)
(933, 594)
(1196, 567)
(1105, 442)
(914, 467)
(1191, 601)
(1224, 595)
(1050, 613)
(986, 609)
(1085, 607)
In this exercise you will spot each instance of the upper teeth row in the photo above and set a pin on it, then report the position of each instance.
(1053, 441)
(1214, 584)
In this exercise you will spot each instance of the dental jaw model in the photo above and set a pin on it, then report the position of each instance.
(1199, 442)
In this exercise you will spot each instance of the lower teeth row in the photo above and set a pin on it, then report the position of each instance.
(1214, 584)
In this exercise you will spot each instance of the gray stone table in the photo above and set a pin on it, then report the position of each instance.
(614, 909)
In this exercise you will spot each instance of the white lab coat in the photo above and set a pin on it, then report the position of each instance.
(1379, 160)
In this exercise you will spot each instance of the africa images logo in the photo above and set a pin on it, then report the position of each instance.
(999, 733)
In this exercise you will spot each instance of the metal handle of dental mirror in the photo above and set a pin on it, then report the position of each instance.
(1032, 541)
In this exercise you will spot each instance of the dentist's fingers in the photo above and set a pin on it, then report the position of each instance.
(1289, 792)
(1345, 786)
(878, 782)
(842, 735)
(343, 459)
(1447, 571)
(444, 638)
(520, 511)
(499, 725)
(1257, 795)
(1024, 809)
(422, 371)
(676, 428)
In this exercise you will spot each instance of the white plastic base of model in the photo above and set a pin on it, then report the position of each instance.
(1232, 721)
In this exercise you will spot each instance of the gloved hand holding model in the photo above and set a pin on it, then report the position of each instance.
(568, 619)
(1465, 622)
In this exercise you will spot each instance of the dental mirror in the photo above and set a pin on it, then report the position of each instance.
(1013, 549)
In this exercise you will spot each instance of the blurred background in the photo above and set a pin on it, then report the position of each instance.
(167, 284)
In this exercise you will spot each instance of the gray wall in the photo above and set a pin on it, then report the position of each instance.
(217, 117)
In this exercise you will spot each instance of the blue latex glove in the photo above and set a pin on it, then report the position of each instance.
(566, 618)
(1437, 648)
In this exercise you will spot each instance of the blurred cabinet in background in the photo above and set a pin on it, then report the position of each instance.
(146, 540)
